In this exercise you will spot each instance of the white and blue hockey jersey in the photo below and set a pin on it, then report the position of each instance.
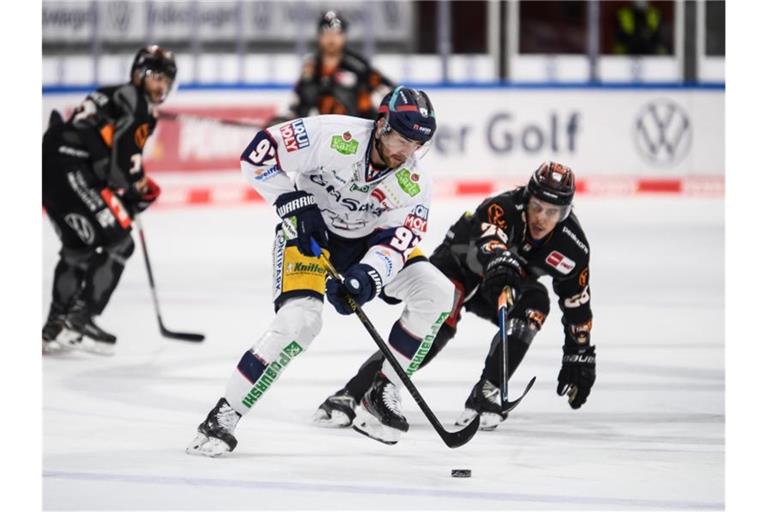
(327, 156)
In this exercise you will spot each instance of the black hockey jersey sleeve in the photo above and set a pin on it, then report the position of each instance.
(574, 298)
(490, 230)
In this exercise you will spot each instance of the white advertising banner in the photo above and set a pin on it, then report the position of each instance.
(492, 132)
(595, 131)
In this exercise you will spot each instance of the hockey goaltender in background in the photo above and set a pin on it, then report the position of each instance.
(510, 240)
(358, 192)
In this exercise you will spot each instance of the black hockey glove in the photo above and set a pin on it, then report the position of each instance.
(504, 269)
(361, 282)
(302, 220)
(577, 374)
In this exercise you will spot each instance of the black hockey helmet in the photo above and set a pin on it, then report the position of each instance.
(154, 58)
(331, 20)
(409, 112)
(553, 183)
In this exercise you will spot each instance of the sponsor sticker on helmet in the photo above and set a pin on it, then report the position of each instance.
(559, 262)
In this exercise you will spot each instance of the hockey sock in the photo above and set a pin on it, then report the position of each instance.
(254, 376)
(359, 384)
(104, 274)
(68, 275)
(516, 350)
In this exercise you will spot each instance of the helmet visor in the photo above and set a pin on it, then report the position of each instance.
(554, 212)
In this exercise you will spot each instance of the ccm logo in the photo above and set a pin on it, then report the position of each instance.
(559, 262)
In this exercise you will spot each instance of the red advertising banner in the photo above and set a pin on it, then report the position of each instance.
(201, 139)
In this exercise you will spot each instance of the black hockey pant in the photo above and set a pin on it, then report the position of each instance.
(94, 229)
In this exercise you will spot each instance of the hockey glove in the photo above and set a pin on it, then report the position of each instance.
(577, 374)
(138, 200)
(503, 270)
(361, 282)
(302, 220)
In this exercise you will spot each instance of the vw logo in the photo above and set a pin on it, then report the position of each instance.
(663, 132)
(81, 226)
(120, 15)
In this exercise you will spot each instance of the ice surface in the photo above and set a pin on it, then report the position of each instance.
(651, 435)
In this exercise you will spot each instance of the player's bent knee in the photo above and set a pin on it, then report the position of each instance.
(434, 295)
(76, 257)
(298, 319)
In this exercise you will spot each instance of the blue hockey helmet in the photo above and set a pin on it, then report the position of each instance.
(410, 113)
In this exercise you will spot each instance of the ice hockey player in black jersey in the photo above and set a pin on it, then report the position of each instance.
(93, 185)
(336, 80)
(511, 239)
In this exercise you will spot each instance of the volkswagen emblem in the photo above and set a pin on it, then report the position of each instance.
(81, 226)
(663, 132)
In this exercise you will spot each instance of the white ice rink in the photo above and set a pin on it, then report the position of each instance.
(651, 435)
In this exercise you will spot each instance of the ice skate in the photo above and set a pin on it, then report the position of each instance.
(379, 414)
(57, 337)
(216, 434)
(93, 338)
(485, 401)
(337, 411)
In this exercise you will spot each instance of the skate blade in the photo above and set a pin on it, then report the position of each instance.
(368, 425)
(466, 418)
(337, 419)
(90, 346)
(490, 420)
(205, 446)
(53, 347)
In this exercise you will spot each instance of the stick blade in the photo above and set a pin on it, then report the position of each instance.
(461, 437)
(183, 336)
(506, 407)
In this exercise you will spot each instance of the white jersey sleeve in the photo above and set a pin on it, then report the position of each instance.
(278, 152)
(402, 227)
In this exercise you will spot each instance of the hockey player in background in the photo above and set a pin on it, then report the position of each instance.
(357, 191)
(512, 240)
(336, 80)
(93, 184)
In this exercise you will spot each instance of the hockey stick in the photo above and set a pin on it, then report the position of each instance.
(174, 116)
(451, 439)
(184, 336)
(505, 300)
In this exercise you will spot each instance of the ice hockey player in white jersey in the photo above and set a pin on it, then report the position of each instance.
(352, 185)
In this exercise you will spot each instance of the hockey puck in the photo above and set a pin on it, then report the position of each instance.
(461, 473)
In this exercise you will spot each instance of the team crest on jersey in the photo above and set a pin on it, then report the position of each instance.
(559, 262)
(295, 136)
(496, 216)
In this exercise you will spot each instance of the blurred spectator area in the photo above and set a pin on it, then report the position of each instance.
(481, 41)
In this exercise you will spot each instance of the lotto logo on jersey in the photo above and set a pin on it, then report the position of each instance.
(294, 135)
(561, 263)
